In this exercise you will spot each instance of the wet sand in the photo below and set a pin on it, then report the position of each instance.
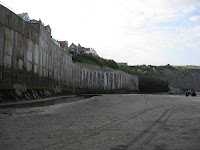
(107, 122)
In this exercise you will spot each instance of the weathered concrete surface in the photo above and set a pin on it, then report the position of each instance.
(29, 58)
(108, 122)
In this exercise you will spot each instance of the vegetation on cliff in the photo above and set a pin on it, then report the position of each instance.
(95, 60)
(166, 72)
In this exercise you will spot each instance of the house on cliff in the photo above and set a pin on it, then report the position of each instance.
(76, 50)
(90, 51)
(80, 49)
(64, 45)
(123, 64)
(93, 52)
(55, 42)
(73, 48)
(87, 50)
(24, 16)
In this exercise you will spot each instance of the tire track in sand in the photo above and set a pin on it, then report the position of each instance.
(93, 132)
(144, 138)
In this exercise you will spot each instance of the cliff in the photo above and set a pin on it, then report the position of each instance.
(190, 81)
(181, 77)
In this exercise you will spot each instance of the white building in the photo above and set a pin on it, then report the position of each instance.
(93, 52)
(24, 16)
(90, 51)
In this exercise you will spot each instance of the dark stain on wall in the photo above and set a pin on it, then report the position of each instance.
(150, 84)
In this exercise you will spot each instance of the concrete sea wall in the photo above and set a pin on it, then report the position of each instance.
(150, 84)
(29, 59)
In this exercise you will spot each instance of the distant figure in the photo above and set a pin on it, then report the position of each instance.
(193, 94)
(187, 93)
(190, 92)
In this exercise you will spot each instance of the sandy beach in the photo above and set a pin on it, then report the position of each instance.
(107, 122)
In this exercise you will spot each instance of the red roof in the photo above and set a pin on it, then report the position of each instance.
(62, 43)
(123, 63)
(87, 49)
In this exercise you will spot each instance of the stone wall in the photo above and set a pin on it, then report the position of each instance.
(29, 59)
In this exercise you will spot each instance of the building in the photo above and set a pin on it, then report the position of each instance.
(93, 52)
(63, 44)
(123, 64)
(73, 48)
(79, 49)
(87, 50)
(24, 16)
(55, 42)
(76, 50)
(90, 51)
(82, 50)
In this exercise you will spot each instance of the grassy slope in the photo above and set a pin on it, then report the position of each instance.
(95, 60)
(166, 72)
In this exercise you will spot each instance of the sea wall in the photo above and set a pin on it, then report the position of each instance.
(150, 84)
(98, 78)
(29, 59)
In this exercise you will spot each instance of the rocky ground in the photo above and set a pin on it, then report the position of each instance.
(107, 122)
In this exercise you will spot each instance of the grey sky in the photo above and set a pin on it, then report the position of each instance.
(155, 32)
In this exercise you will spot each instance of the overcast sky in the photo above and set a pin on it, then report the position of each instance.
(151, 32)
